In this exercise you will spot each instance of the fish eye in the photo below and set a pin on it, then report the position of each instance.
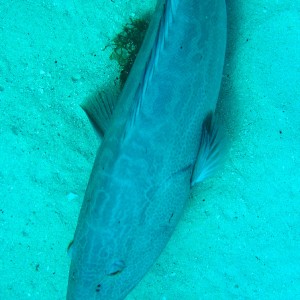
(116, 268)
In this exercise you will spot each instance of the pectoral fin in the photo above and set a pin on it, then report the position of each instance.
(211, 150)
(70, 249)
(99, 108)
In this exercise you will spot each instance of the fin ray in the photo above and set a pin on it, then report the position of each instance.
(99, 108)
(211, 150)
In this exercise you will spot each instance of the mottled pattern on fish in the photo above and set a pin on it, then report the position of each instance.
(143, 171)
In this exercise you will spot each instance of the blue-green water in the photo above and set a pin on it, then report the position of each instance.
(239, 238)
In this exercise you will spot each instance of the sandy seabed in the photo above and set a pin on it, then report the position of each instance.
(239, 239)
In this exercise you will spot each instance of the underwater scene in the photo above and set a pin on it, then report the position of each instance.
(226, 223)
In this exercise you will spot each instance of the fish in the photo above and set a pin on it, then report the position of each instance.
(160, 138)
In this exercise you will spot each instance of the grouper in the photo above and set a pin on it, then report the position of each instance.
(160, 139)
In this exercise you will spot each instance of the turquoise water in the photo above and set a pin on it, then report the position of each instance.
(239, 238)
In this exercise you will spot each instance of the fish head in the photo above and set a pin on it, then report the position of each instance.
(103, 268)
(104, 282)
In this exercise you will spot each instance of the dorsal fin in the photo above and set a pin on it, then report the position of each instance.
(99, 108)
(165, 22)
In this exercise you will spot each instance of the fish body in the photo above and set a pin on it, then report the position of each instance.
(159, 138)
